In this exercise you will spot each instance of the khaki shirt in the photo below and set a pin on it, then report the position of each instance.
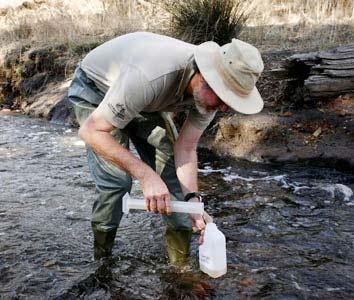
(143, 72)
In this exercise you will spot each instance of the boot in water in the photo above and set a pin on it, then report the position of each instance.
(177, 244)
(103, 243)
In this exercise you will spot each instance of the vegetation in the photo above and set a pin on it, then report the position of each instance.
(70, 23)
(269, 24)
(300, 24)
(198, 21)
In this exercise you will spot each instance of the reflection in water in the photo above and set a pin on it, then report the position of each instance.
(289, 228)
(185, 286)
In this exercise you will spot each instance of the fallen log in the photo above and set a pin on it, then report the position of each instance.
(317, 76)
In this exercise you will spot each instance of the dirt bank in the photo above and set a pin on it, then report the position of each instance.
(313, 135)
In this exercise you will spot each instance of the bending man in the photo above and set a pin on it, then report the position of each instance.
(124, 90)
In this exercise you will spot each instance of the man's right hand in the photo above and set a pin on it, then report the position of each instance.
(96, 132)
(156, 194)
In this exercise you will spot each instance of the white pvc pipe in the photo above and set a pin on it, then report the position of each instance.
(176, 206)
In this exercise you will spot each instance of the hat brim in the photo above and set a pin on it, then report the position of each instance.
(207, 56)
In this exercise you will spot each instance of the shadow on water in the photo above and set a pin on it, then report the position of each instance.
(289, 228)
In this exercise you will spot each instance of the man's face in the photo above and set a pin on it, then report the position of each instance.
(205, 98)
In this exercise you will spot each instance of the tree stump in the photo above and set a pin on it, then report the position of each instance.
(317, 76)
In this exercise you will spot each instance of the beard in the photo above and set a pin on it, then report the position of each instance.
(197, 97)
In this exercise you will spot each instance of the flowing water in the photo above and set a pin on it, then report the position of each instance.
(289, 228)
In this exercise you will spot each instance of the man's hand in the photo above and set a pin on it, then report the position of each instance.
(156, 194)
(199, 223)
(96, 132)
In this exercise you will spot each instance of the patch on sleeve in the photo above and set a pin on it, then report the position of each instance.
(118, 110)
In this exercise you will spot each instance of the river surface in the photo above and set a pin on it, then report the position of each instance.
(289, 228)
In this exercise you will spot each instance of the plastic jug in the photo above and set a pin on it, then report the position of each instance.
(212, 253)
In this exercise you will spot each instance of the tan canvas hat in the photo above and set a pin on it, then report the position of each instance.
(232, 72)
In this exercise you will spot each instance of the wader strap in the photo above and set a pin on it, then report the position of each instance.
(170, 126)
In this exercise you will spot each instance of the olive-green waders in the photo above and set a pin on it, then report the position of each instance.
(153, 139)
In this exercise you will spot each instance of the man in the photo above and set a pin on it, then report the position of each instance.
(123, 90)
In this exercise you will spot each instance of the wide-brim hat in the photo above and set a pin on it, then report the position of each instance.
(232, 72)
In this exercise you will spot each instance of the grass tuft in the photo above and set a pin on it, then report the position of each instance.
(198, 21)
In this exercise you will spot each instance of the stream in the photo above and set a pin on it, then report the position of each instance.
(289, 228)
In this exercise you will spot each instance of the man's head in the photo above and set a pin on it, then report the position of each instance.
(228, 76)
(205, 98)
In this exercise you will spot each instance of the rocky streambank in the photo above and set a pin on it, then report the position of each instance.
(36, 81)
(318, 137)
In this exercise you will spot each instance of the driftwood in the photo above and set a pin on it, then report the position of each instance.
(318, 76)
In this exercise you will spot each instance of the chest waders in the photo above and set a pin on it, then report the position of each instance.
(153, 135)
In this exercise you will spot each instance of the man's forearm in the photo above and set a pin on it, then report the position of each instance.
(104, 144)
(187, 169)
(96, 132)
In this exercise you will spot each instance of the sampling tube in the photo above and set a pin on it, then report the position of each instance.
(176, 206)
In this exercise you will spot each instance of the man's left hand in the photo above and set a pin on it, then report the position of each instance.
(199, 222)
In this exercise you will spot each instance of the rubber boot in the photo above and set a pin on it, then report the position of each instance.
(103, 243)
(177, 244)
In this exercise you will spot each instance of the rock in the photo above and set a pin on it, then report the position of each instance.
(317, 132)
(239, 135)
(25, 71)
(287, 114)
(320, 137)
(43, 58)
(288, 157)
(32, 84)
(343, 105)
(63, 113)
(247, 282)
(42, 104)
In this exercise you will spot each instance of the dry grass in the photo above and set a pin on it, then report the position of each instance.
(72, 23)
(273, 24)
(298, 24)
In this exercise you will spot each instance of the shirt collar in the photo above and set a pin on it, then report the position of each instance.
(188, 73)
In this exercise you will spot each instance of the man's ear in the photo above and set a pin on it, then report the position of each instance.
(194, 82)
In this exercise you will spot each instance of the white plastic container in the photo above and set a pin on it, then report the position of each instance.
(212, 253)
(176, 206)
